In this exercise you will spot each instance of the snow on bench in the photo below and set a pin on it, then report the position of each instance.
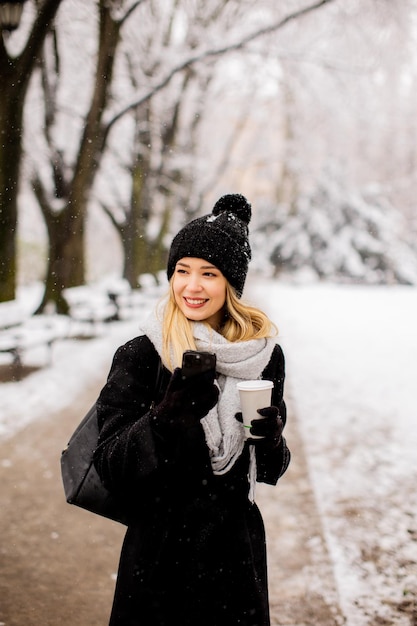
(90, 306)
(34, 332)
(129, 302)
(153, 284)
(11, 314)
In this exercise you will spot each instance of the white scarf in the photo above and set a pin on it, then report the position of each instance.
(243, 360)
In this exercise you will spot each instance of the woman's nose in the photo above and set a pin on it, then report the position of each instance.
(194, 283)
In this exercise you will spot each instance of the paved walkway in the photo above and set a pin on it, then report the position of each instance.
(58, 563)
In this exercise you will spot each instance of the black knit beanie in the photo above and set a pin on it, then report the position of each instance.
(221, 238)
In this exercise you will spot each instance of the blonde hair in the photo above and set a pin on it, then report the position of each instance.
(242, 322)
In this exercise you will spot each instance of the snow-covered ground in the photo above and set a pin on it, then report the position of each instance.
(351, 375)
(351, 363)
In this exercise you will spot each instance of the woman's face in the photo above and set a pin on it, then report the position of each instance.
(199, 290)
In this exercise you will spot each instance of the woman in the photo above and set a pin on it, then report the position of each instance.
(177, 457)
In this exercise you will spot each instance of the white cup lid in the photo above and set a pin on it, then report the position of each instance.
(254, 385)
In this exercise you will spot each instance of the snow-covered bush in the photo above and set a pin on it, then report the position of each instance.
(339, 236)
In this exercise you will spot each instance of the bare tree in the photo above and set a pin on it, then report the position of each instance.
(186, 88)
(64, 203)
(73, 182)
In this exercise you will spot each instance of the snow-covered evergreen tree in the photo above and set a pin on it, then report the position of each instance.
(339, 235)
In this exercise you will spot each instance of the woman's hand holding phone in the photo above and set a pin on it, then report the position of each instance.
(195, 362)
(187, 399)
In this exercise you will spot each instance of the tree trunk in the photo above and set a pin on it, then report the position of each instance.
(287, 189)
(66, 266)
(142, 254)
(15, 74)
(66, 239)
(11, 107)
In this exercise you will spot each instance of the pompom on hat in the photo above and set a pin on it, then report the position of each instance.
(220, 238)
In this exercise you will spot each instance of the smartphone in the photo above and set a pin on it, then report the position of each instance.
(194, 362)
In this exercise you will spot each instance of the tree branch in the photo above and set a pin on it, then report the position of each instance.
(112, 217)
(129, 12)
(28, 57)
(212, 53)
(41, 196)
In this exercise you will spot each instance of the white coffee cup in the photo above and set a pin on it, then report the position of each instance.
(254, 395)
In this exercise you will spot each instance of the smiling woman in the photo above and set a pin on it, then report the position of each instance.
(180, 463)
(199, 291)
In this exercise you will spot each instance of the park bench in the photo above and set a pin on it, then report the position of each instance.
(89, 308)
(127, 301)
(131, 302)
(11, 314)
(124, 301)
(21, 336)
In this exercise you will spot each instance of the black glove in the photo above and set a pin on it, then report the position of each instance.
(186, 401)
(269, 428)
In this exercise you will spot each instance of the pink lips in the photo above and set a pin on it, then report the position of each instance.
(195, 303)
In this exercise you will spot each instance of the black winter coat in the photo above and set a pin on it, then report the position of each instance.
(194, 552)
